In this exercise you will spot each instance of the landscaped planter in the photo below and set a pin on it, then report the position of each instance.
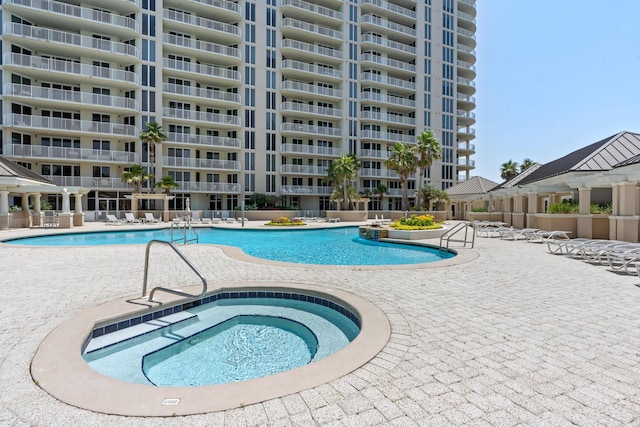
(416, 234)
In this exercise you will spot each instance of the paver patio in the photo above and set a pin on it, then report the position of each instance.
(515, 337)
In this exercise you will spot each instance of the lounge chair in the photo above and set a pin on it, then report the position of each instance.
(130, 219)
(543, 236)
(150, 219)
(566, 247)
(517, 234)
(112, 220)
(624, 257)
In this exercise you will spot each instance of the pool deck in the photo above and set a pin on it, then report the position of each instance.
(513, 336)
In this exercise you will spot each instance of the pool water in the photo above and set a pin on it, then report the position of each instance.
(224, 341)
(333, 246)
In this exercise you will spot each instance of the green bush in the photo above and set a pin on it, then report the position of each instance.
(564, 207)
(480, 209)
(416, 222)
(603, 209)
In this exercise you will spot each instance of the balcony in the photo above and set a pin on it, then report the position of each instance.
(466, 37)
(74, 154)
(203, 73)
(88, 182)
(465, 102)
(205, 51)
(373, 116)
(302, 70)
(388, 64)
(60, 42)
(202, 96)
(191, 163)
(373, 154)
(382, 7)
(466, 69)
(305, 190)
(201, 27)
(466, 20)
(396, 102)
(310, 52)
(310, 150)
(466, 86)
(46, 97)
(375, 42)
(306, 110)
(369, 79)
(210, 119)
(292, 129)
(57, 126)
(466, 163)
(466, 148)
(466, 53)
(208, 187)
(387, 136)
(221, 10)
(465, 133)
(69, 72)
(305, 90)
(303, 170)
(74, 18)
(378, 173)
(465, 118)
(219, 142)
(310, 33)
(372, 23)
(310, 12)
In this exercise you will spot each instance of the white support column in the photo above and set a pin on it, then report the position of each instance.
(4, 202)
(78, 197)
(66, 202)
(25, 202)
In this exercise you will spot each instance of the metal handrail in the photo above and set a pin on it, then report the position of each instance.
(171, 291)
(185, 227)
(453, 231)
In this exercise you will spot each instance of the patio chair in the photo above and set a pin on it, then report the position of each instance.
(624, 257)
(130, 219)
(150, 219)
(542, 236)
(112, 220)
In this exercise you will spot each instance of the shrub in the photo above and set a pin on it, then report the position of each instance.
(284, 221)
(416, 222)
(602, 208)
(564, 207)
(480, 209)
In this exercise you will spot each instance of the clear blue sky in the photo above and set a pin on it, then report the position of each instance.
(553, 76)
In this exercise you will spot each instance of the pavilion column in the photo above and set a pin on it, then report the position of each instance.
(37, 219)
(5, 216)
(518, 211)
(532, 210)
(623, 224)
(78, 215)
(585, 220)
(65, 218)
(25, 202)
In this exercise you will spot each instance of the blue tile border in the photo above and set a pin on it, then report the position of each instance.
(297, 296)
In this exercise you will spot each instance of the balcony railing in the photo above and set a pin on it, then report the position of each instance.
(312, 190)
(187, 162)
(207, 70)
(387, 136)
(385, 117)
(203, 46)
(88, 182)
(208, 187)
(393, 63)
(310, 68)
(208, 140)
(310, 149)
(221, 119)
(69, 125)
(311, 89)
(310, 109)
(465, 146)
(311, 28)
(466, 162)
(67, 67)
(68, 39)
(375, 20)
(382, 4)
(66, 153)
(222, 4)
(59, 8)
(304, 169)
(378, 173)
(390, 81)
(197, 92)
(373, 154)
(311, 48)
(372, 38)
(197, 21)
(465, 82)
(388, 99)
(96, 100)
(462, 114)
(309, 129)
(309, 7)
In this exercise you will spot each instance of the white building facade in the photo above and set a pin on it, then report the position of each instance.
(254, 96)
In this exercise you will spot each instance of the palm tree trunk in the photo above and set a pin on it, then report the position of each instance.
(419, 188)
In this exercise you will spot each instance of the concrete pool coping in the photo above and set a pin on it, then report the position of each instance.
(59, 369)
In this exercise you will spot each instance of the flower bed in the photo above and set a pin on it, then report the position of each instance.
(417, 222)
(284, 221)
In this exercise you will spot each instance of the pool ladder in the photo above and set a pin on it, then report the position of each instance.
(167, 290)
(447, 236)
(185, 229)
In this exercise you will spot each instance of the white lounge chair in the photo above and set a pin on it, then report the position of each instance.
(542, 236)
(130, 219)
(112, 220)
(150, 219)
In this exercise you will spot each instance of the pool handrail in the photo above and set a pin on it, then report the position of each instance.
(447, 235)
(171, 291)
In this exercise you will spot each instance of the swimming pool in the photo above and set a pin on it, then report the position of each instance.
(332, 246)
(223, 338)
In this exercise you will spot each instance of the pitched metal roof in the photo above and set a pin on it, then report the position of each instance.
(474, 185)
(13, 170)
(521, 176)
(600, 156)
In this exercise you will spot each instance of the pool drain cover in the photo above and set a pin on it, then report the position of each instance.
(170, 402)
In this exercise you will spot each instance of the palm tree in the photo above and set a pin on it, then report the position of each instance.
(428, 150)
(441, 196)
(351, 195)
(136, 175)
(342, 171)
(508, 170)
(428, 193)
(381, 190)
(166, 184)
(153, 136)
(403, 160)
(526, 164)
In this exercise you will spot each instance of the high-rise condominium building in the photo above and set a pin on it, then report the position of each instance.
(253, 96)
